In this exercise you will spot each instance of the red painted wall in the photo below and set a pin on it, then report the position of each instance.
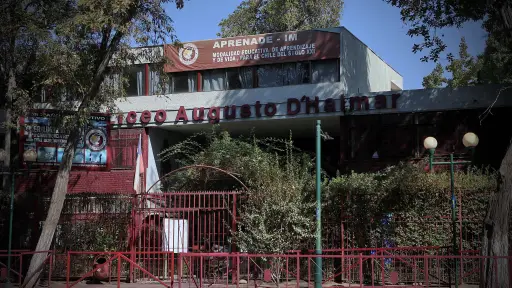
(116, 182)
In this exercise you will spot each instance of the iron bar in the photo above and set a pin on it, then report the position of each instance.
(453, 201)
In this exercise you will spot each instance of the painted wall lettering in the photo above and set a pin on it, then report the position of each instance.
(245, 111)
(182, 115)
(312, 105)
(358, 102)
(214, 114)
(257, 106)
(198, 114)
(329, 105)
(230, 114)
(270, 109)
(160, 116)
(294, 106)
(131, 118)
(145, 117)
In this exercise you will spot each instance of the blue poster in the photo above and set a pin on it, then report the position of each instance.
(38, 134)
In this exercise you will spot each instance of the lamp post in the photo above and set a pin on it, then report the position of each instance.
(318, 246)
(470, 141)
(29, 156)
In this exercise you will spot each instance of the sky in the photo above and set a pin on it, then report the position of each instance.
(374, 22)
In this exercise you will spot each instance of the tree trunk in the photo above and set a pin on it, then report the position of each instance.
(52, 219)
(11, 85)
(495, 272)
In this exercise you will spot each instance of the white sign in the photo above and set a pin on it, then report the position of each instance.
(175, 236)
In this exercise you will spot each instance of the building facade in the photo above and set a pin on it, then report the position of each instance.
(274, 84)
(271, 85)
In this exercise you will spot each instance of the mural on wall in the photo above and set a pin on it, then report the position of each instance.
(38, 134)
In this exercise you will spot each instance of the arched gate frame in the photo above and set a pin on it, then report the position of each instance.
(181, 222)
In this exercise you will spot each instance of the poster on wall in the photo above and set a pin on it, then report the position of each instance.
(253, 50)
(39, 135)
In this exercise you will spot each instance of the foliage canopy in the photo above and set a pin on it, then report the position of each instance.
(269, 16)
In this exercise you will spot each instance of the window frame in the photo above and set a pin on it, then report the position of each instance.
(145, 77)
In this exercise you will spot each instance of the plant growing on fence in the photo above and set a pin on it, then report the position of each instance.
(277, 213)
(418, 203)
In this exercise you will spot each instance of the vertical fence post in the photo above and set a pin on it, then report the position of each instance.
(50, 271)
(172, 268)
(68, 268)
(118, 270)
(238, 270)
(425, 262)
(298, 270)
(180, 269)
(21, 268)
(361, 270)
(372, 259)
(383, 270)
(201, 259)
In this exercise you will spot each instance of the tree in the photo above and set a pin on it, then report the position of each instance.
(463, 70)
(425, 19)
(436, 78)
(269, 16)
(277, 215)
(91, 45)
(23, 26)
(277, 174)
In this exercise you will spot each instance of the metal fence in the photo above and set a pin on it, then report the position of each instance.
(286, 270)
(159, 229)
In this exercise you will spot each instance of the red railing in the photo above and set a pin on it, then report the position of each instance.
(16, 258)
(381, 269)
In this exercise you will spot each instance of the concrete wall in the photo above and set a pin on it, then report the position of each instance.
(159, 140)
(362, 70)
(408, 101)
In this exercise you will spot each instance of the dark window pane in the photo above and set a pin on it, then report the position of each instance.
(184, 82)
(270, 75)
(158, 83)
(214, 80)
(239, 78)
(136, 79)
(296, 73)
(325, 71)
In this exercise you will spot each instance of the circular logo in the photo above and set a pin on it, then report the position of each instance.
(96, 139)
(188, 53)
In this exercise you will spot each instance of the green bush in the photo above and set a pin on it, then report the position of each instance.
(406, 206)
(277, 214)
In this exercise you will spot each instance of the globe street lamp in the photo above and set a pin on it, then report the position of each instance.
(29, 156)
(470, 141)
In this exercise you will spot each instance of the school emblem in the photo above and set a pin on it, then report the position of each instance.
(96, 139)
(188, 54)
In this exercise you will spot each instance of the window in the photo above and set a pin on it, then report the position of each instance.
(158, 84)
(239, 78)
(296, 73)
(325, 71)
(184, 82)
(136, 81)
(214, 80)
(270, 75)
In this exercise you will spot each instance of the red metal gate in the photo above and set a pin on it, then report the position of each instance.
(180, 222)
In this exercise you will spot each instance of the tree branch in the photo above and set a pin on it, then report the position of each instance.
(489, 109)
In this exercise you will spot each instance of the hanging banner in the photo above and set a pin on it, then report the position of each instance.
(253, 50)
(39, 135)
